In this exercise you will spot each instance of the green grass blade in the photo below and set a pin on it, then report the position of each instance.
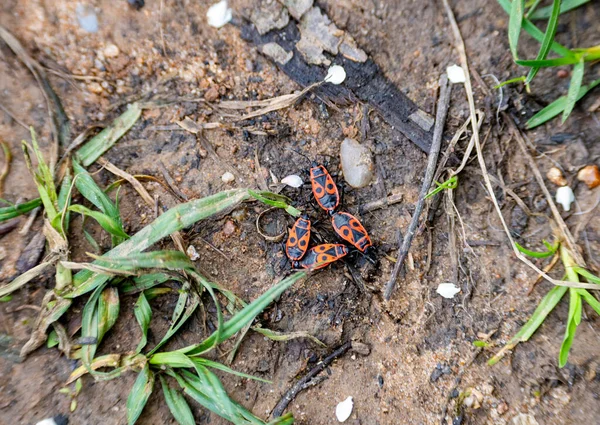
(145, 281)
(589, 276)
(514, 25)
(140, 392)
(177, 405)
(574, 87)
(548, 39)
(89, 190)
(222, 367)
(557, 107)
(551, 251)
(89, 328)
(103, 141)
(572, 322)
(275, 200)
(173, 220)
(287, 419)
(143, 315)
(534, 31)
(108, 311)
(546, 305)
(245, 316)
(546, 12)
(107, 223)
(547, 63)
(6, 213)
(589, 298)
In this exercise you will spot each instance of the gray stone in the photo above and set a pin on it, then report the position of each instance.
(297, 8)
(268, 16)
(357, 163)
(277, 53)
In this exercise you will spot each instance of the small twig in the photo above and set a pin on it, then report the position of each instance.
(440, 119)
(171, 182)
(305, 381)
(10, 114)
(381, 203)
(30, 220)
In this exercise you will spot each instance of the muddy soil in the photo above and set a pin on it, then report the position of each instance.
(420, 344)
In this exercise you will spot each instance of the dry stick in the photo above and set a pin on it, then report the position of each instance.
(460, 46)
(440, 119)
(304, 383)
(381, 203)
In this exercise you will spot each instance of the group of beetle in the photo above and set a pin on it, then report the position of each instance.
(347, 227)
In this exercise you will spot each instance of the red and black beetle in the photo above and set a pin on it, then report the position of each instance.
(298, 239)
(321, 256)
(350, 229)
(324, 188)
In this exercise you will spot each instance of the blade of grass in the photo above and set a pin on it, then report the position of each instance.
(557, 107)
(140, 392)
(546, 12)
(550, 252)
(146, 281)
(107, 223)
(280, 336)
(175, 219)
(108, 311)
(245, 316)
(143, 314)
(6, 213)
(573, 320)
(103, 141)
(546, 305)
(547, 63)
(548, 39)
(26, 277)
(589, 276)
(514, 25)
(574, 87)
(589, 298)
(89, 190)
(177, 405)
(222, 367)
(534, 31)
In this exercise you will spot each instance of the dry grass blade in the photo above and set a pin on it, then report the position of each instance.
(24, 278)
(96, 268)
(267, 105)
(6, 166)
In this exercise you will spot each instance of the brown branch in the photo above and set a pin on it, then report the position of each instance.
(440, 119)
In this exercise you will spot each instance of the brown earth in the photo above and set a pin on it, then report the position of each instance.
(420, 344)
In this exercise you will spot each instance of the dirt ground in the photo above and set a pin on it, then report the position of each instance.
(420, 344)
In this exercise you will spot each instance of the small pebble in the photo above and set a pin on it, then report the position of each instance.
(562, 73)
(456, 74)
(136, 4)
(292, 181)
(524, 419)
(192, 253)
(502, 408)
(211, 94)
(86, 16)
(111, 51)
(447, 290)
(227, 177)
(335, 75)
(357, 163)
(555, 175)
(589, 175)
(360, 348)
(229, 228)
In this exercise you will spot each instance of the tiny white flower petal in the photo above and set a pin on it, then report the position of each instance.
(192, 253)
(292, 180)
(335, 75)
(218, 14)
(565, 196)
(447, 290)
(456, 74)
(344, 409)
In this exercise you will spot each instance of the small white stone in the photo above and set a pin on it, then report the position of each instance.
(227, 177)
(335, 75)
(456, 74)
(192, 253)
(111, 51)
(219, 14)
(292, 181)
(565, 196)
(344, 409)
(447, 290)
(47, 421)
(357, 163)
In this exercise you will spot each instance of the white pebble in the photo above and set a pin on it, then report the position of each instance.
(86, 16)
(219, 14)
(565, 196)
(344, 409)
(192, 253)
(447, 290)
(357, 163)
(111, 51)
(456, 74)
(335, 75)
(292, 180)
(227, 177)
